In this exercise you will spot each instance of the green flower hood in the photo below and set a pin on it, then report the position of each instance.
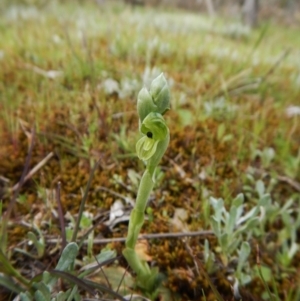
(154, 129)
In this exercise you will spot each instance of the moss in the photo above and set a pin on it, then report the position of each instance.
(80, 123)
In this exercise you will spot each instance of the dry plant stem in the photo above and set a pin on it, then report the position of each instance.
(82, 204)
(256, 82)
(200, 270)
(290, 181)
(61, 217)
(271, 296)
(104, 275)
(99, 188)
(6, 216)
(294, 184)
(146, 236)
(86, 234)
(34, 170)
(104, 289)
(285, 53)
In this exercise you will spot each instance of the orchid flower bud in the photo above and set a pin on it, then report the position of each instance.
(145, 104)
(160, 93)
(157, 100)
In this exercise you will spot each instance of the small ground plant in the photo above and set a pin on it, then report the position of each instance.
(150, 148)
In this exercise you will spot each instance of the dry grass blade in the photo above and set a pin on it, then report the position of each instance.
(92, 267)
(261, 275)
(82, 204)
(200, 269)
(73, 279)
(6, 216)
(61, 217)
(33, 171)
(290, 181)
(294, 184)
(104, 289)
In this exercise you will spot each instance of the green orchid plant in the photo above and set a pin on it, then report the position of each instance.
(151, 106)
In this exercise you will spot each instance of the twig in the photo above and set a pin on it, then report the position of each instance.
(294, 184)
(99, 188)
(126, 199)
(52, 74)
(4, 180)
(145, 236)
(33, 171)
(289, 181)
